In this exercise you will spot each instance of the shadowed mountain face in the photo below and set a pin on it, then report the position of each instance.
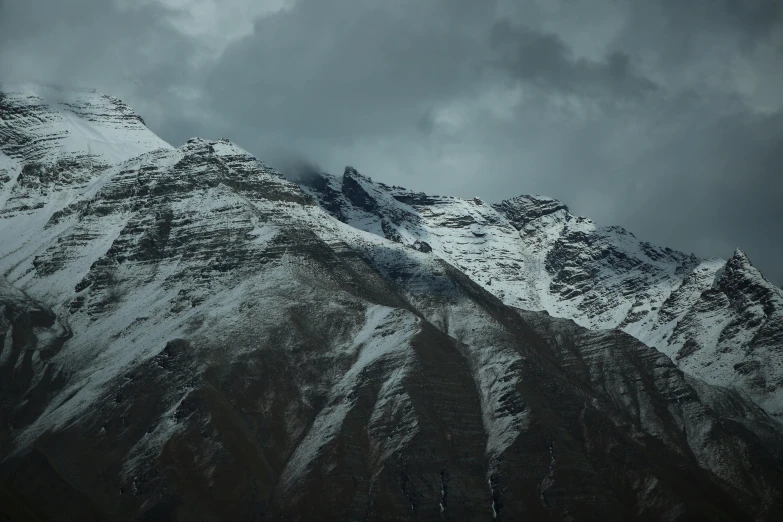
(188, 336)
(720, 321)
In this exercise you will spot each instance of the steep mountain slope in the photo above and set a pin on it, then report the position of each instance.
(54, 145)
(45, 124)
(187, 335)
(719, 321)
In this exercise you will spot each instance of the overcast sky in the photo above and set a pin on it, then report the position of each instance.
(665, 117)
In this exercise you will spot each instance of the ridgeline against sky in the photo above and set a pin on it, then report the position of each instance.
(663, 117)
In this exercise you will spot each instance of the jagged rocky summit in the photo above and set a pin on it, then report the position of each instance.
(718, 320)
(188, 335)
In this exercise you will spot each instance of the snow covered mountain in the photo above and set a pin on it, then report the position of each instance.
(188, 335)
(720, 321)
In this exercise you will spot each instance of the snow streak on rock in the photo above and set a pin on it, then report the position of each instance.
(385, 334)
(532, 253)
(186, 334)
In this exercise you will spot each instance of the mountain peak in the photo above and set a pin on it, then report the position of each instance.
(221, 147)
(741, 281)
(44, 123)
(740, 258)
(351, 172)
(523, 209)
(740, 265)
(175, 312)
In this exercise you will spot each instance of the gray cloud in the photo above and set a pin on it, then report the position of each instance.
(664, 117)
(545, 60)
(754, 20)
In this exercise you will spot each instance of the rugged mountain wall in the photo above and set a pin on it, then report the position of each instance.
(720, 321)
(187, 335)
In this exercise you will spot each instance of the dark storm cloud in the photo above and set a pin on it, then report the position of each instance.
(545, 60)
(754, 19)
(660, 116)
(703, 180)
(122, 48)
(72, 39)
(731, 180)
(345, 69)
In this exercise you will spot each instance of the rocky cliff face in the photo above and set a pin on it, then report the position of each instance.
(720, 321)
(188, 335)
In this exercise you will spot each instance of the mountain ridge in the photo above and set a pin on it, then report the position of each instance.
(187, 334)
(601, 277)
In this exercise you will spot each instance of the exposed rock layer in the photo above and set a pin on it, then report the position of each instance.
(720, 321)
(187, 335)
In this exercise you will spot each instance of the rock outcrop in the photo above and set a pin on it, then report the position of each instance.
(188, 335)
(718, 320)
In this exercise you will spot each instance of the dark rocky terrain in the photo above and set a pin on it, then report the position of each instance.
(186, 335)
(719, 320)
